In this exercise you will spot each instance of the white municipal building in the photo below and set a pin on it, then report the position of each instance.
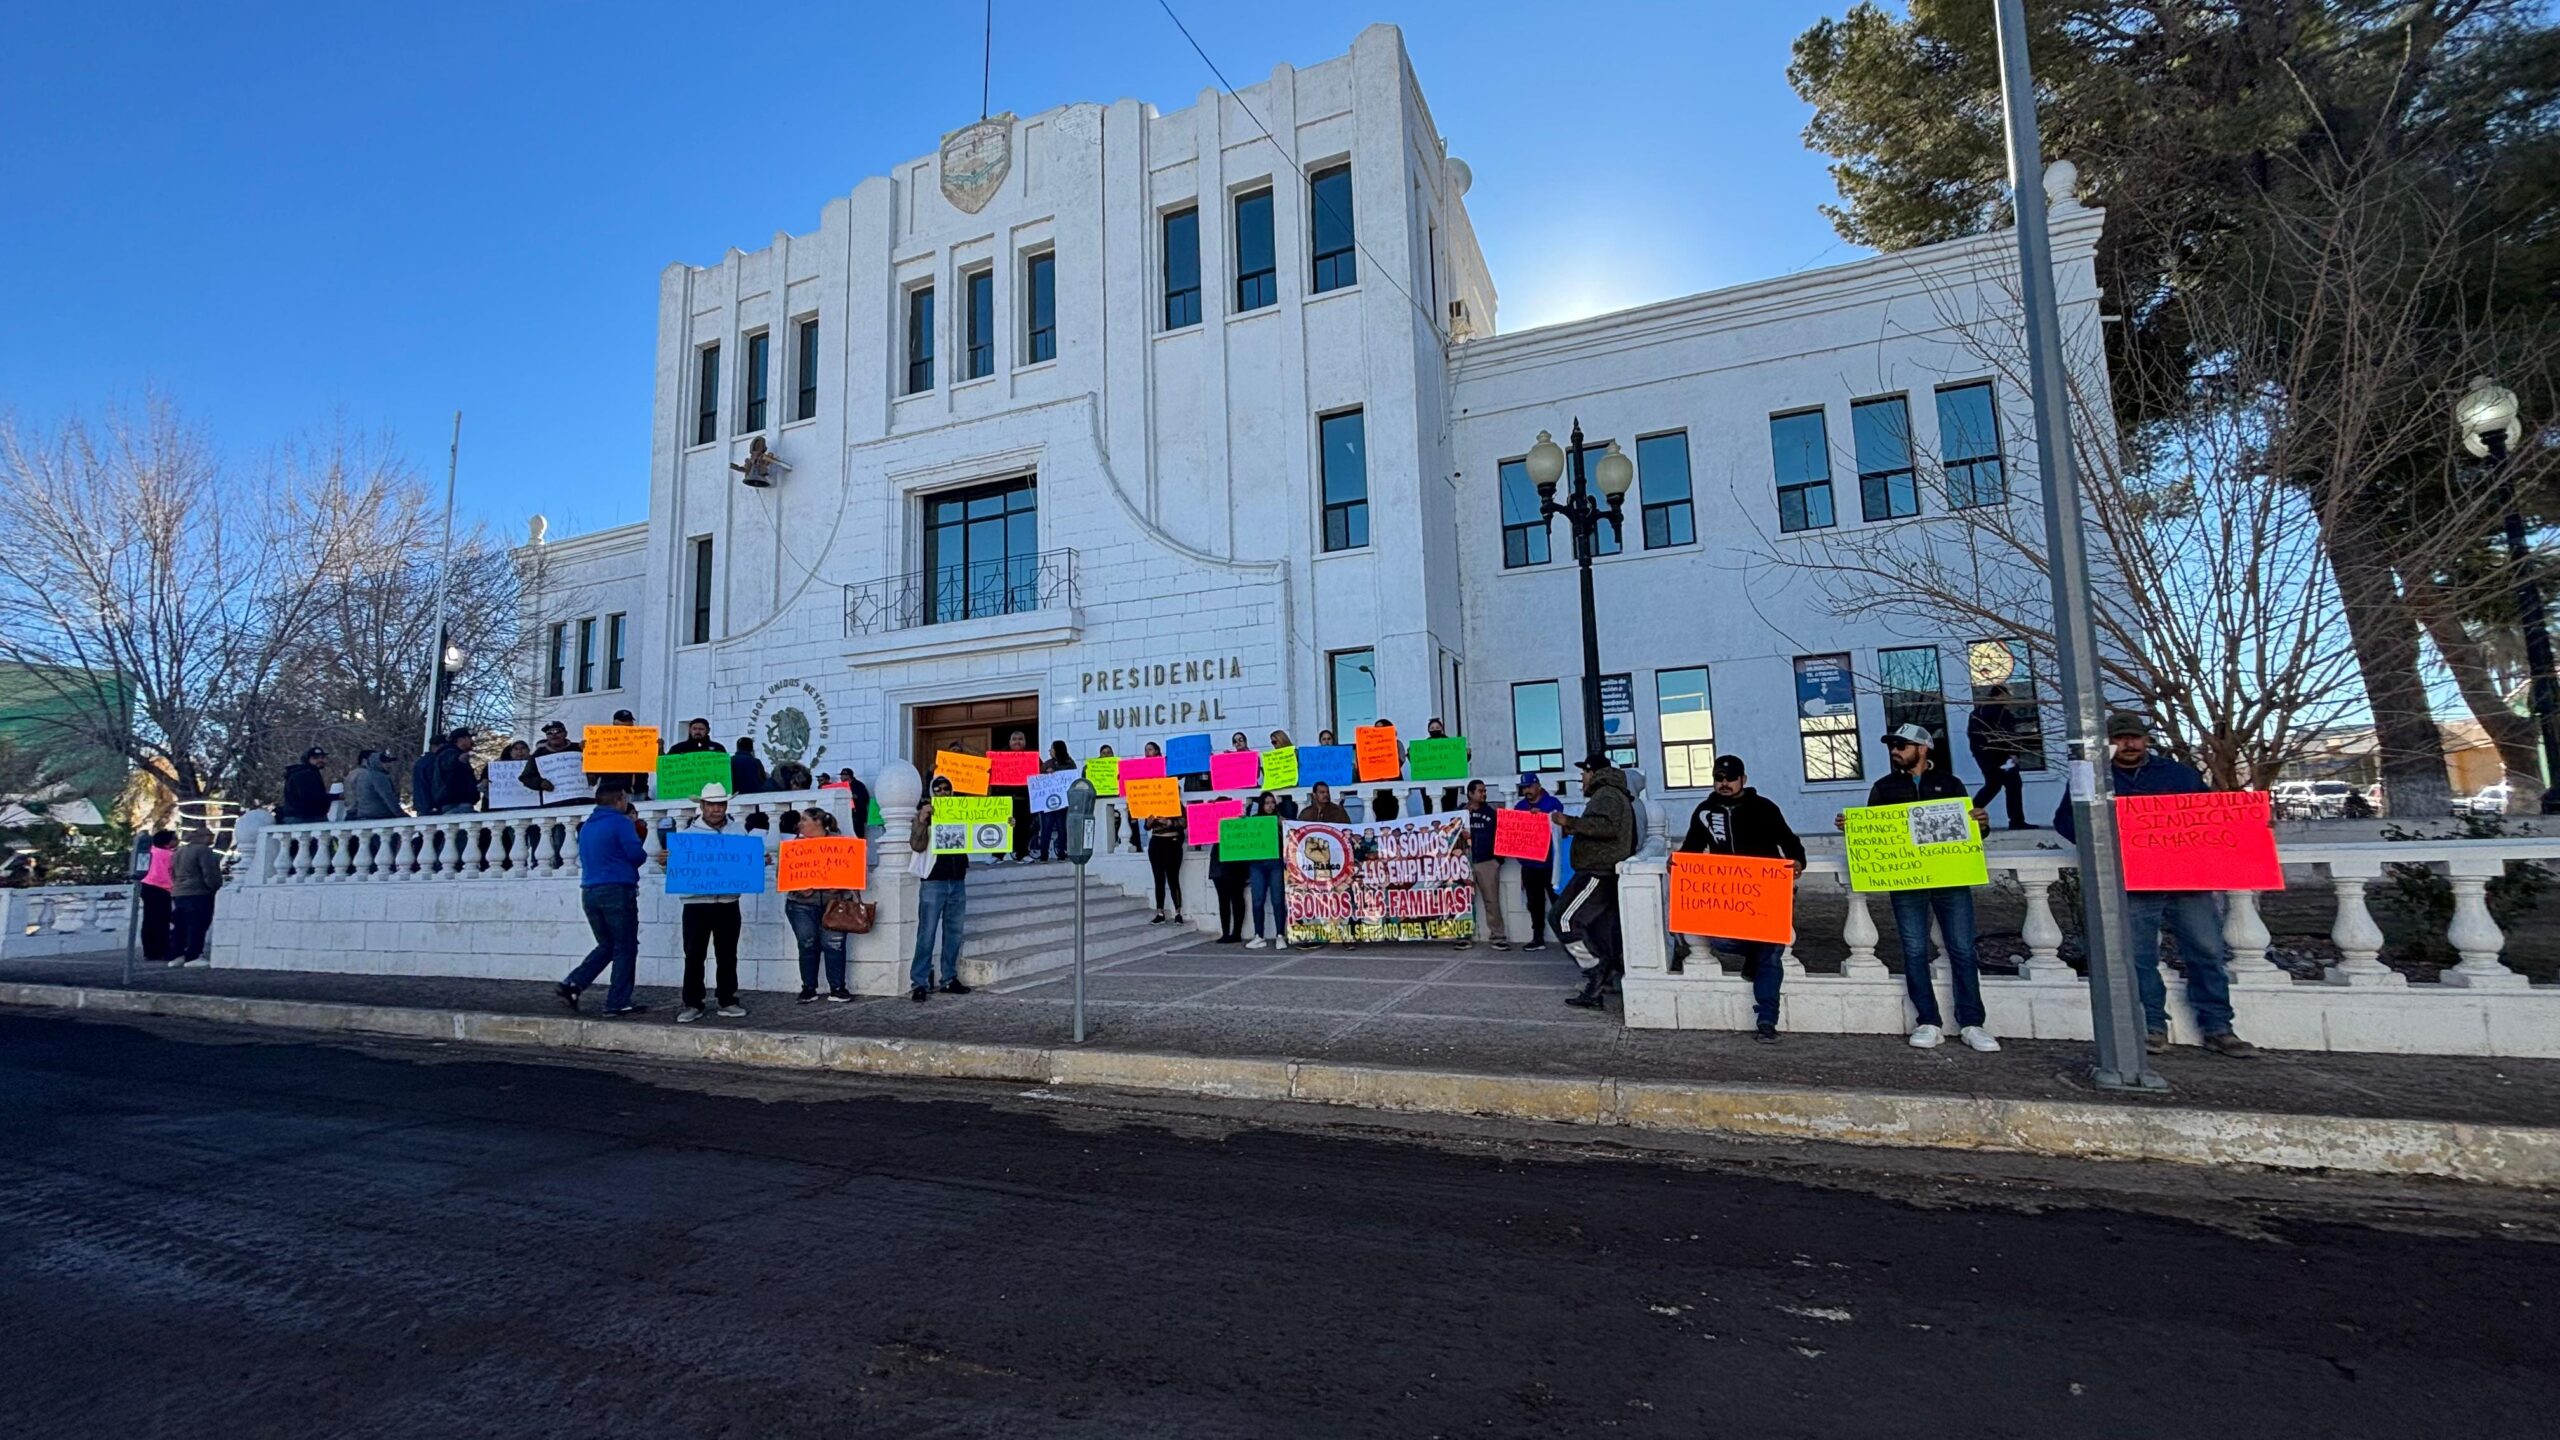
(1105, 424)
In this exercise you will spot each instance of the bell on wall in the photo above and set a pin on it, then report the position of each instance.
(757, 470)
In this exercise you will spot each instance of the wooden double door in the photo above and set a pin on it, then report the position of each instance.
(976, 726)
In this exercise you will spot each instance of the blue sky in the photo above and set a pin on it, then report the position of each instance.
(288, 216)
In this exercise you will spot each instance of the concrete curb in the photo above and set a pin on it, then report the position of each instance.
(2512, 1155)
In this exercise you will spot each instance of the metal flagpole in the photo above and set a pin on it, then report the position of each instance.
(2115, 1006)
(444, 569)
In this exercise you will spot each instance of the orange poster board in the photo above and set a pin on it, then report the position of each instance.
(1733, 897)
(967, 773)
(620, 749)
(1153, 799)
(823, 862)
(1376, 748)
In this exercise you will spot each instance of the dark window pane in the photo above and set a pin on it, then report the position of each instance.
(1801, 450)
(1882, 432)
(1257, 263)
(1182, 269)
(805, 407)
(1969, 439)
(701, 591)
(1040, 298)
(706, 420)
(1606, 539)
(557, 680)
(1915, 693)
(759, 376)
(919, 339)
(616, 645)
(1524, 530)
(1662, 478)
(1354, 690)
(982, 324)
(981, 552)
(1346, 480)
(1337, 259)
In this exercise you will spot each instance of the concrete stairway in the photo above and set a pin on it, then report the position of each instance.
(1022, 920)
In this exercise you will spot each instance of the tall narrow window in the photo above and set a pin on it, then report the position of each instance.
(1662, 475)
(1915, 693)
(804, 405)
(979, 287)
(1537, 727)
(2003, 676)
(1040, 307)
(556, 681)
(1686, 712)
(700, 629)
(586, 655)
(919, 339)
(706, 384)
(1524, 527)
(1969, 445)
(759, 378)
(1257, 255)
(1618, 718)
(1345, 446)
(1354, 689)
(1337, 258)
(1886, 489)
(1182, 268)
(1606, 539)
(1827, 718)
(617, 638)
(1802, 447)
(982, 551)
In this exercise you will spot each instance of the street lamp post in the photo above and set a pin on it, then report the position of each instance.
(1583, 513)
(2491, 424)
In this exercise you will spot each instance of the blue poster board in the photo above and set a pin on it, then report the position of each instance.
(1335, 765)
(706, 864)
(1186, 755)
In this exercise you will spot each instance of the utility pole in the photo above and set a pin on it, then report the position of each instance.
(2115, 1005)
(444, 570)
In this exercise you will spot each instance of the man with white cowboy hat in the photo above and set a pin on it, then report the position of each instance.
(710, 921)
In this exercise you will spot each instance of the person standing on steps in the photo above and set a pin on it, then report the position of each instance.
(1053, 823)
(1915, 777)
(1587, 913)
(746, 772)
(306, 790)
(1263, 878)
(1023, 824)
(697, 740)
(711, 921)
(1537, 877)
(1737, 820)
(1486, 866)
(1165, 844)
(610, 853)
(1227, 878)
(942, 905)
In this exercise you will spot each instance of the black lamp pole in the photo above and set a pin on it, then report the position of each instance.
(1583, 512)
(2529, 615)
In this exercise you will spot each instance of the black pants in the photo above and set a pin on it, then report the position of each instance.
(1229, 884)
(1995, 780)
(1536, 886)
(1164, 857)
(190, 925)
(1022, 825)
(1587, 923)
(711, 926)
(155, 924)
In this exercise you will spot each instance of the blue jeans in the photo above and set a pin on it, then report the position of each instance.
(815, 940)
(1052, 843)
(1953, 905)
(613, 914)
(2190, 914)
(940, 905)
(1269, 896)
(1762, 963)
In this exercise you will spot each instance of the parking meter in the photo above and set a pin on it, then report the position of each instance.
(1080, 850)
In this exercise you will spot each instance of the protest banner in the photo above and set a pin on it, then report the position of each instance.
(1280, 768)
(1235, 770)
(1141, 767)
(824, 862)
(507, 790)
(1186, 755)
(1201, 819)
(567, 772)
(2216, 841)
(1921, 846)
(1326, 765)
(972, 824)
(1012, 769)
(1733, 897)
(1441, 759)
(1049, 792)
(700, 862)
(1103, 773)
(619, 749)
(1376, 747)
(1250, 837)
(1155, 798)
(1386, 880)
(1522, 835)
(681, 777)
(967, 773)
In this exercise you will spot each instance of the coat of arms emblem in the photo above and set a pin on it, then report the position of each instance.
(975, 160)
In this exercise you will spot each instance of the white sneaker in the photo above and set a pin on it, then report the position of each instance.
(734, 1012)
(1979, 1038)
(1255, 943)
(688, 1015)
(1927, 1037)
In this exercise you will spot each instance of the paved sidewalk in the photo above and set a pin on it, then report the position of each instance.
(1478, 1012)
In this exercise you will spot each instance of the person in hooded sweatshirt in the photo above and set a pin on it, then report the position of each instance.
(1916, 776)
(371, 792)
(1587, 913)
(306, 790)
(1738, 820)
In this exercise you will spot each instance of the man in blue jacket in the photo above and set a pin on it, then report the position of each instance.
(609, 858)
(2190, 913)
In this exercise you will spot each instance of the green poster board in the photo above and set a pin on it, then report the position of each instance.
(873, 820)
(681, 777)
(1441, 759)
(972, 824)
(1914, 847)
(1250, 837)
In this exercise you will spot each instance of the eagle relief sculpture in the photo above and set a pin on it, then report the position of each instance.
(975, 160)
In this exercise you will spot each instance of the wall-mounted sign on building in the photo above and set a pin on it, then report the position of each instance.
(975, 160)
(1172, 693)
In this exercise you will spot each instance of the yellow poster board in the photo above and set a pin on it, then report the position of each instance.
(1923, 846)
(1103, 773)
(972, 824)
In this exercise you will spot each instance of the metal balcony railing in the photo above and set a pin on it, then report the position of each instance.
(1011, 586)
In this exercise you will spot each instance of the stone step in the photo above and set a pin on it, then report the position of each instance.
(1005, 932)
(994, 966)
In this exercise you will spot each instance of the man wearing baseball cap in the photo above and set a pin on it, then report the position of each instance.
(1738, 820)
(457, 784)
(1537, 877)
(1587, 913)
(1915, 776)
(2138, 770)
(306, 790)
(710, 921)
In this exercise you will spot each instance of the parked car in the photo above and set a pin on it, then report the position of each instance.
(2492, 800)
(2292, 799)
(2329, 797)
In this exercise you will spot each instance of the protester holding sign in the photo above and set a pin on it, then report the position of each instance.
(1227, 877)
(710, 921)
(1266, 880)
(1487, 866)
(610, 854)
(1587, 919)
(2137, 770)
(806, 910)
(942, 904)
(1053, 816)
(1916, 777)
(1165, 844)
(1737, 820)
(1537, 877)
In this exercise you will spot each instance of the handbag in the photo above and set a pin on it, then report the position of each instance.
(851, 915)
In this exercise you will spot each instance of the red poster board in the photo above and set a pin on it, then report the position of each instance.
(1522, 835)
(2215, 841)
(1733, 897)
(1012, 767)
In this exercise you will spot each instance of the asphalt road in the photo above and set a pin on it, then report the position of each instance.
(209, 1233)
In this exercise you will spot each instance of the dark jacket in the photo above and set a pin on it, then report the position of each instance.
(2156, 775)
(1935, 783)
(422, 783)
(1325, 812)
(747, 777)
(456, 782)
(920, 837)
(1605, 832)
(1992, 735)
(370, 793)
(697, 747)
(1480, 826)
(195, 871)
(1746, 824)
(306, 794)
(860, 800)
